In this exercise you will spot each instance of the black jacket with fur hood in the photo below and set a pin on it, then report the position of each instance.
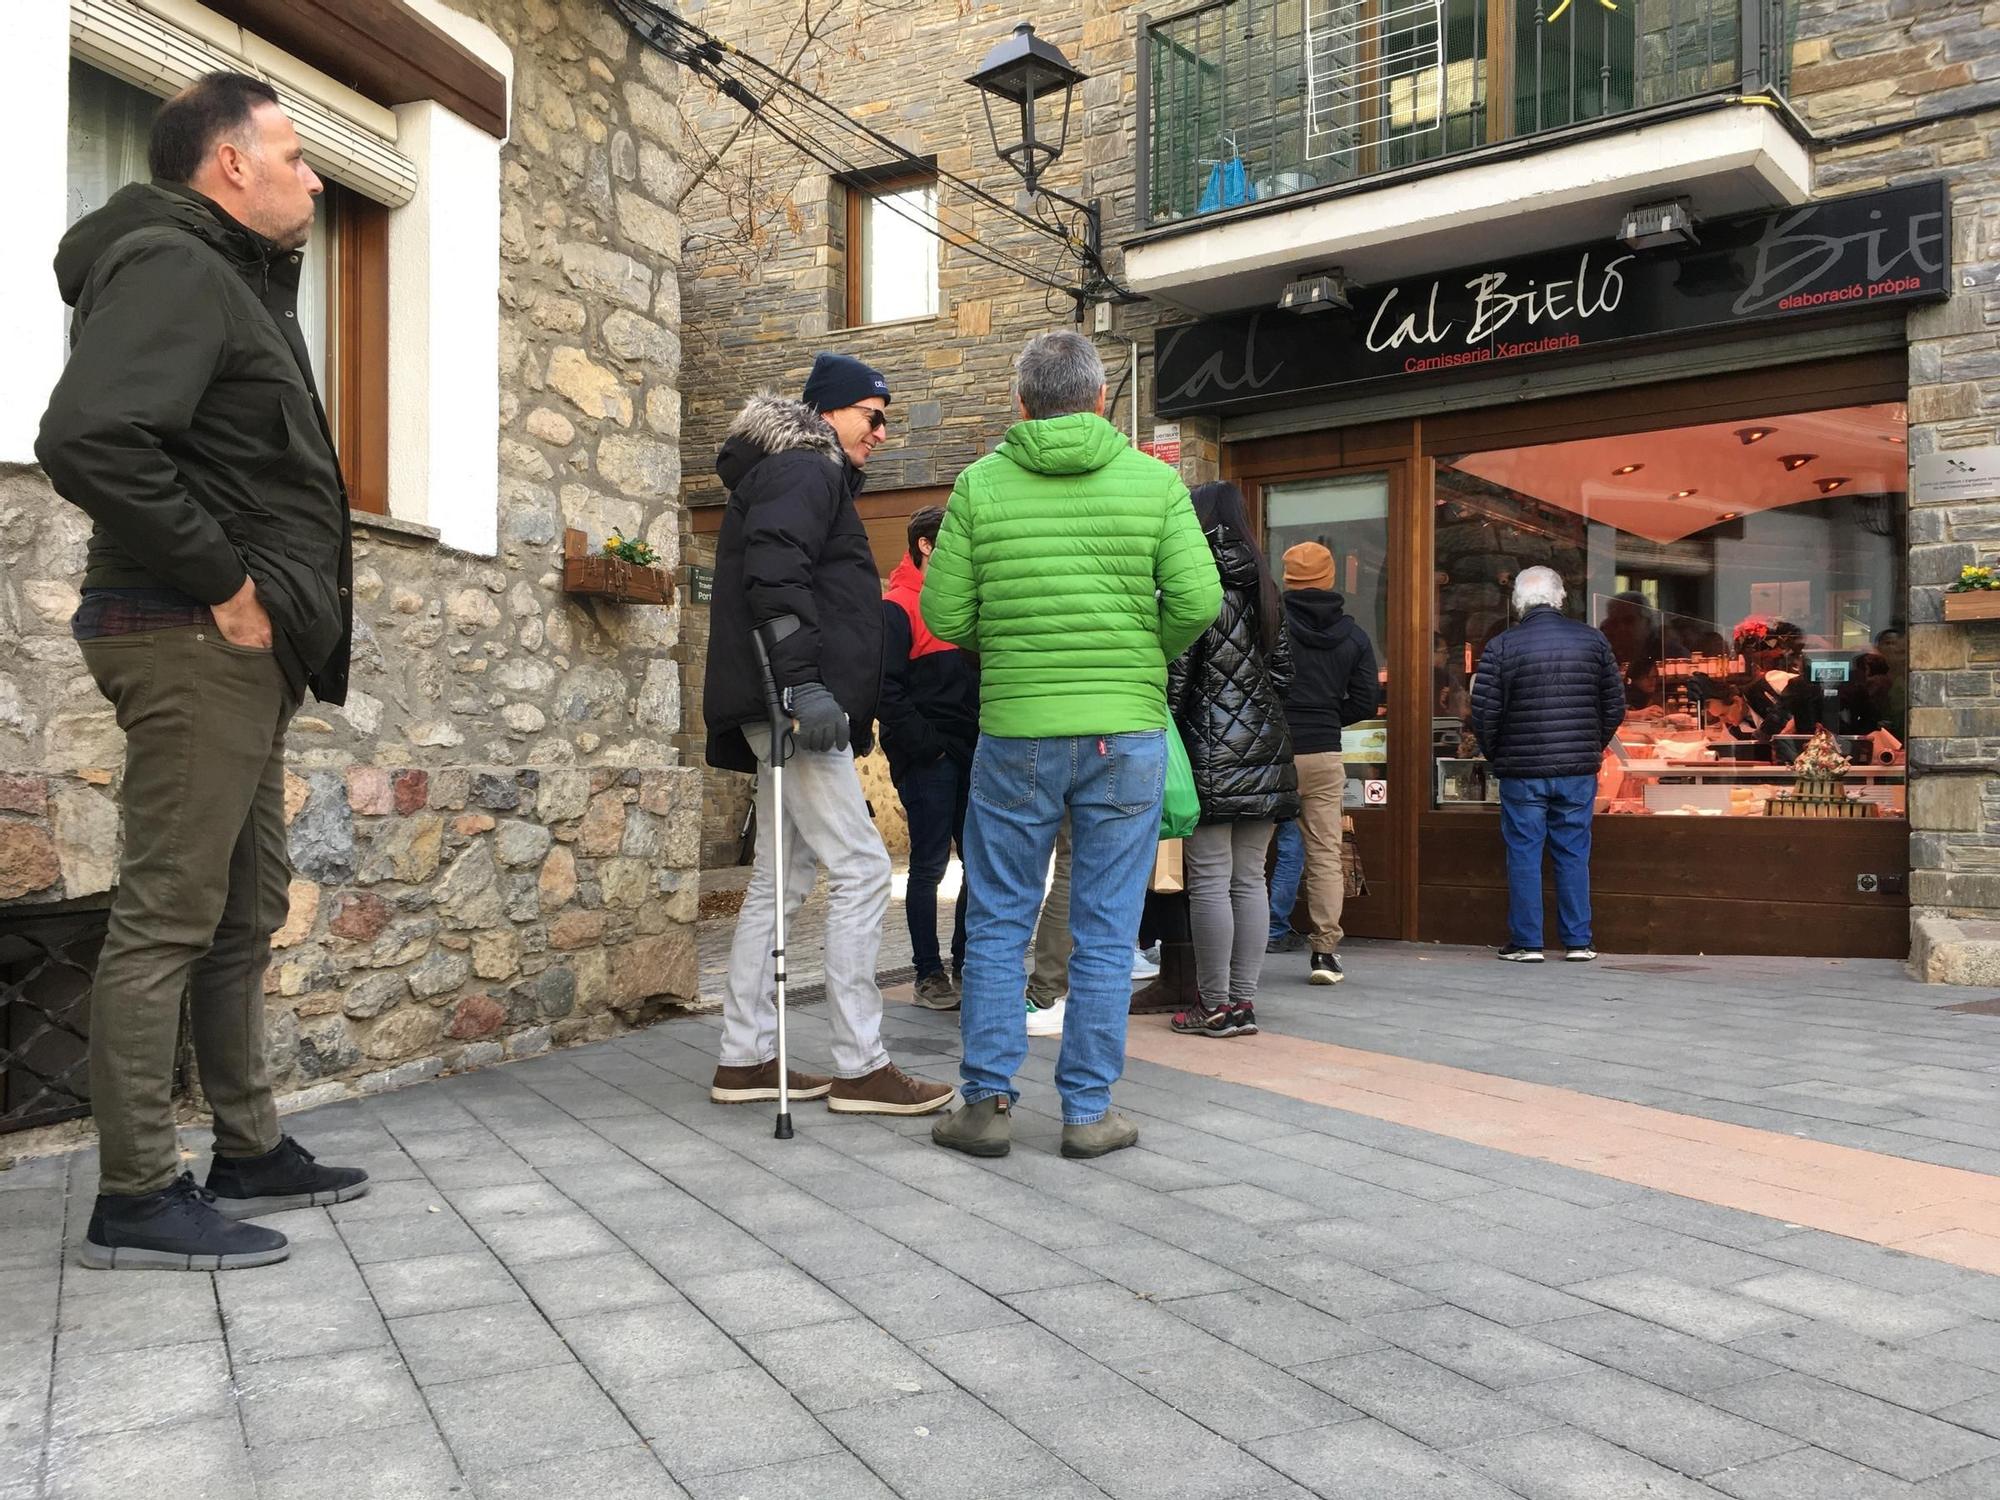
(792, 543)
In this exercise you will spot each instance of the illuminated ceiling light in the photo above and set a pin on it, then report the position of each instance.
(1828, 486)
(1623, 469)
(1793, 462)
(1683, 494)
(1748, 435)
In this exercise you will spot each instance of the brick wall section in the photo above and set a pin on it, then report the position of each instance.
(1863, 62)
(528, 717)
(756, 320)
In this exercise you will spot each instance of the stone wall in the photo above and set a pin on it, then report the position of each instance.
(757, 312)
(494, 838)
(1861, 63)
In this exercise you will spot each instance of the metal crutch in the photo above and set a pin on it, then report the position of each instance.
(781, 746)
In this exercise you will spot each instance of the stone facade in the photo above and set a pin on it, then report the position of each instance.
(495, 843)
(1861, 63)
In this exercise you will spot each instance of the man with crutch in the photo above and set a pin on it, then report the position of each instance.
(797, 594)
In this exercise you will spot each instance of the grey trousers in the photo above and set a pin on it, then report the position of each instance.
(826, 826)
(1228, 907)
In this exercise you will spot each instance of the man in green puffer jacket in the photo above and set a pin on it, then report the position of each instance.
(1074, 566)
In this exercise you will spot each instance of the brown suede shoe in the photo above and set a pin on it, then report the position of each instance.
(749, 1085)
(887, 1091)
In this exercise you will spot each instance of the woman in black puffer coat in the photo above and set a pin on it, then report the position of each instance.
(1227, 696)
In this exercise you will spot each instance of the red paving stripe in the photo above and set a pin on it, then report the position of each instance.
(1943, 1213)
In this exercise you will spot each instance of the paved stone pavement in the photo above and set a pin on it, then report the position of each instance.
(577, 1277)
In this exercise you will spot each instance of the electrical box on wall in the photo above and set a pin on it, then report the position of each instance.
(1102, 315)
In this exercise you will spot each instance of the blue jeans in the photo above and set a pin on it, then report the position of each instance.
(933, 798)
(1555, 810)
(1110, 786)
(1285, 876)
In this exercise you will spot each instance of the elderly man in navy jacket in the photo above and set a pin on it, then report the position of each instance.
(1546, 702)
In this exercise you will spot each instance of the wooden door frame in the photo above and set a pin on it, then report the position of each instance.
(1251, 467)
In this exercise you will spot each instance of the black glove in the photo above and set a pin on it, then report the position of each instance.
(822, 724)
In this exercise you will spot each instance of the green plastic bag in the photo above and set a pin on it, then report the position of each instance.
(1180, 804)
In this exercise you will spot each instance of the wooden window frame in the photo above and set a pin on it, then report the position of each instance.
(358, 350)
(857, 188)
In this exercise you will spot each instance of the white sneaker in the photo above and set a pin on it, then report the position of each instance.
(1047, 1020)
(1146, 962)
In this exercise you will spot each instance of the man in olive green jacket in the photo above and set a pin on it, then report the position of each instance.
(187, 427)
(1074, 566)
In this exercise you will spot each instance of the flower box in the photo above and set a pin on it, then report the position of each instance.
(1973, 604)
(593, 573)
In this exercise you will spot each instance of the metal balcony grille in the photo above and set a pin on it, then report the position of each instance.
(46, 960)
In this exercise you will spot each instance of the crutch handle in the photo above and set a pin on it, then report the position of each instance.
(764, 638)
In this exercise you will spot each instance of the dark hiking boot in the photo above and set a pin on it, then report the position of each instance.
(981, 1129)
(285, 1177)
(887, 1091)
(934, 992)
(750, 1085)
(1175, 989)
(175, 1229)
(1112, 1133)
(1285, 942)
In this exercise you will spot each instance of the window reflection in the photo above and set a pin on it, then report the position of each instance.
(1748, 575)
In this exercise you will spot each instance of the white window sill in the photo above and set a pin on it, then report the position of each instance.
(935, 317)
(368, 520)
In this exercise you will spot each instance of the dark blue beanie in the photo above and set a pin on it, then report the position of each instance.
(838, 381)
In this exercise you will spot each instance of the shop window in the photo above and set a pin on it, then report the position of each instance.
(1348, 514)
(343, 280)
(1748, 574)
(892, 248)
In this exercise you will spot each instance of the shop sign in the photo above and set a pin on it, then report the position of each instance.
(1955, 474)
(1828, 257)
(701, 584)
(1166, 443)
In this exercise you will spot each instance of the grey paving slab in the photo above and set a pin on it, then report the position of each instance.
(594, 1283)
(1975, 1482)
(1428, 1402)
(927, 1301)
(260, 1330)
(1234, 1394)
(1674, 1430)
(1704, 1313)
(407, 1234)
(522, 1240)
(470, 1343)
(1811, 1474)
(440, 1283)
(1107, 1322)
(1476, 1347)
(1020, 1367)
(138, 1312)
(608, 1474)
(947, 1447)
(1660, 1356)
(291, 1401)
(1565, 1463)
(642, 1346)
(1890, 1438)
(1499, 1296)
(1364, 1457)
(832, 1366)
(1336, 1286)
(1138, 1447)
(1878, 1314)
(409, 1463)
(205, 1458)
(124, 1389)
(1923, 1382)
(529, 1416)
(744, 1302)
(1142, 1264)
(835, 1476)
(1278, 1329)
(726, 1420)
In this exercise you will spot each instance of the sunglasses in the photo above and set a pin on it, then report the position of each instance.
(877, 418)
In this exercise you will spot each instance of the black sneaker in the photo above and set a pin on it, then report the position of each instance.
(1326, 969)
(1243, 1016)
(1199, 1021)
(1519, 955)
(176, 1229)
(285, 1177)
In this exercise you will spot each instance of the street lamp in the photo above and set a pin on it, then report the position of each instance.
(1020, 73)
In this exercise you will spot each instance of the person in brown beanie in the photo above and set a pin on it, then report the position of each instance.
(1334, 684)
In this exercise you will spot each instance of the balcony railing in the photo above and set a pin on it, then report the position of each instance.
(1247, 100)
